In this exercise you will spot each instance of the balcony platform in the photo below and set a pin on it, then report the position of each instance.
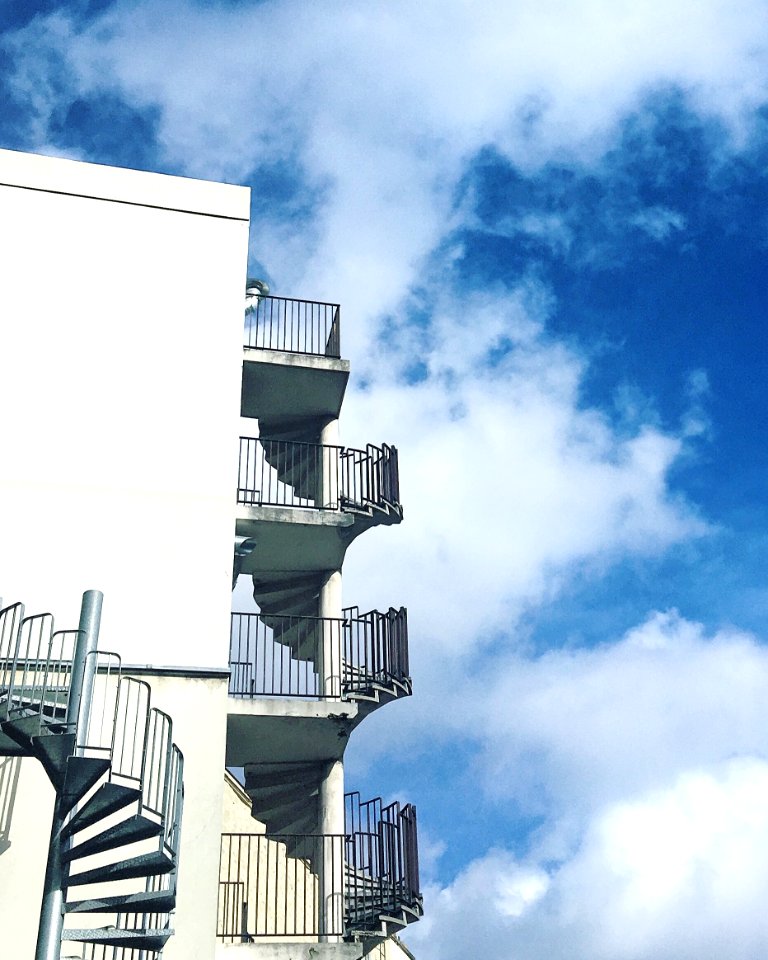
(294, 950)
(273, 729)
(281, 386)
(295, 538)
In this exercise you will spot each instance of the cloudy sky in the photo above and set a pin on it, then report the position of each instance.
(547, 225)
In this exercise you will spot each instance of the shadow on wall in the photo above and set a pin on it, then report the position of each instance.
(10, 767)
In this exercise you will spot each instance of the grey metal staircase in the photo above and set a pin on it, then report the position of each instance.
(118, 778)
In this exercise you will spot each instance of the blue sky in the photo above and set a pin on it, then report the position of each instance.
(547, 225)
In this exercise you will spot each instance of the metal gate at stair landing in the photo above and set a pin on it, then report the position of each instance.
(107, 752)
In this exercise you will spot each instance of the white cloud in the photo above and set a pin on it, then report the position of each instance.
(512, 483)
(678, 873)
(383, 104)
(646, 759)
(659, 222)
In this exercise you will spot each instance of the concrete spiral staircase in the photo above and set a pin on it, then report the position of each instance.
(380, 858)
(366, 481)
(289, 604)
(118, 779)
(284, 797)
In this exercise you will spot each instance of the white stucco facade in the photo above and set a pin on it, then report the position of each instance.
(121, 341)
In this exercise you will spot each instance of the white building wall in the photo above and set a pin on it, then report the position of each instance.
(121, 316)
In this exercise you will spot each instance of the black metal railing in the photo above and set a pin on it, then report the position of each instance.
(383, 858)
(287, 886)
(280, 886)
(292, 473)
(296, 326)
(375, 650)
(273, 655)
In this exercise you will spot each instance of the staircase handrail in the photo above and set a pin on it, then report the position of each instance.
(310, 327)
(372, 650)
(380, 878)
(354, 480)
(56, 682)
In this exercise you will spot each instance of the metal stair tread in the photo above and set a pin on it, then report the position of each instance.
(55, 752)
(150, 901)
(148, 939)
(144, 865)
(82, 774)
(133, 829)
(108, 799)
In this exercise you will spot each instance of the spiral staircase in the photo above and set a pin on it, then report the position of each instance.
(373, 646)
(277, 884)
(302, 498)
(118, 781)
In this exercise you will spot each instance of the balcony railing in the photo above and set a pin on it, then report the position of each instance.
(291, 473)
(291, 656)
(383, 860)
(296, 326)
(307, 886)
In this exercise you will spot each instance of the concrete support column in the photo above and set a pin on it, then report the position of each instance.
(330, 467)
(331, 823)
(330, 665)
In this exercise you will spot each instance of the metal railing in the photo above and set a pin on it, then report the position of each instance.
(296, 326)
(35, 665)
(57, 682)
(383, 858)
(292, 473)
(273, 886)
(375, 650)
(306, 886)
(36, 680)
(272, 655)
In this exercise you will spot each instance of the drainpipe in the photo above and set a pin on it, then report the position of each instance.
(332, 881)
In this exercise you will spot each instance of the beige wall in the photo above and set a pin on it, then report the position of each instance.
(122, 315)
(26, 801)
(198, 708)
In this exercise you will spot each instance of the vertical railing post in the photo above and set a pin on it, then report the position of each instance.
(78, 709)
(84, 663)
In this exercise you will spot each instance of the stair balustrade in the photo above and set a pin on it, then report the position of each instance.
(293, 473)
(295, 326)
(273, 885)
(105, 750)
(273, 655)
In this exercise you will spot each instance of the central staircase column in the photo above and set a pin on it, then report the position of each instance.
(329, 480)
(78, 710)
(329, 608)
(332, 880)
